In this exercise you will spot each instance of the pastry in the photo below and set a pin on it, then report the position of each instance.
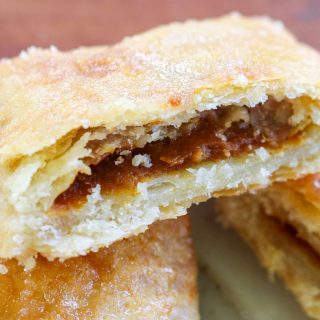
(98, 143)
(281, 224)
(150, 276)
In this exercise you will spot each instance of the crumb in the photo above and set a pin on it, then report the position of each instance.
(142, 159)
(3, 269)
(119, 161)
(29, 264)
(85, 123)
(221, 136)
(125, 152)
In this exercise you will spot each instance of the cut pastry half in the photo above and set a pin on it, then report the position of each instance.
(150, 276)
(98, 143)
(282, 225)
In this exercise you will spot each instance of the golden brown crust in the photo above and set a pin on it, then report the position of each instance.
(54, 106)
(278, 249)
(150, 276)
(295, 202)
(155, 76)
(308, 187)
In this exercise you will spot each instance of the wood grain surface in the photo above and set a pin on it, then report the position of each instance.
(72, 23)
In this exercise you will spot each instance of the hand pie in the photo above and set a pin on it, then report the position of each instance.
(282, 225)
(150, 276)
(98, 143)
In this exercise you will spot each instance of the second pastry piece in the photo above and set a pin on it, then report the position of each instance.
(98, 143)
(282, 225)
(149, 276)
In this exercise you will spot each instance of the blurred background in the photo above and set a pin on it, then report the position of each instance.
(71, 23)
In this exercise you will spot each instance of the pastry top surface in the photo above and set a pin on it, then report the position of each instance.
(159, 76)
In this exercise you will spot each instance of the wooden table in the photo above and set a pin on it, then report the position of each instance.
(71, 23)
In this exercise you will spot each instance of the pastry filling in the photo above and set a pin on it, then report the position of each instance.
(228, 131)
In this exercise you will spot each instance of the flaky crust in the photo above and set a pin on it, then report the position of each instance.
(308, 187)
(150, 276)
(296, 202)
(53, 104)
(278, 249)
(156, 76)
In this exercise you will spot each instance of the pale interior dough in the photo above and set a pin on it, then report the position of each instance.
(105, 219)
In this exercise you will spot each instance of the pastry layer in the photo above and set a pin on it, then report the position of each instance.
(126, 135)
(278, 246)
(295, 202)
